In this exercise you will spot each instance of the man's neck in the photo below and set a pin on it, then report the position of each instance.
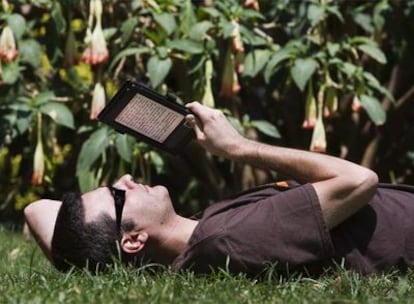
(173, 239)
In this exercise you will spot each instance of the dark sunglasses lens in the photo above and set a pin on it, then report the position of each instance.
(119, 200)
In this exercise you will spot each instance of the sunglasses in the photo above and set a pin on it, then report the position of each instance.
(119, 202)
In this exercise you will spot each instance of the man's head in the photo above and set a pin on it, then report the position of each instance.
(91, 245)
(86, 233)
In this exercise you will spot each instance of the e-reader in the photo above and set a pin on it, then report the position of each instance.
(144, 113)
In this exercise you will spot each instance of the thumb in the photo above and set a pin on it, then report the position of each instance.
(192, 121)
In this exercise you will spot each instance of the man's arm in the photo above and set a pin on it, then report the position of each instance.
(342, 187)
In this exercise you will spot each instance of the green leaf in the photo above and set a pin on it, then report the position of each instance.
(375, 84)
(251, 37)
(87, 180)
(42, 98)
(186, 45)
(127, 28)
(123, 146)
(60, 113)
(315, 14)
(277, 58)
(266, 128)
(302, 71)
(156, 161)
(348, 68)
(58, 17)
(228, 28)
(255, 61)
(199, 30)
(374, 109)
(362, 40)
(187, 17)
(91, 149)
(11, 72)
(158, 69)
(335, 11)
(109, 32)
(211, 11)
(166, 21)
(333, 48)
(128, 52)
(364, 21)
(17, 24)
(373, 52)
(24, 122)
(30, 52)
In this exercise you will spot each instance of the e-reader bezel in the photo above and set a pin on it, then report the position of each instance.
(178, 138)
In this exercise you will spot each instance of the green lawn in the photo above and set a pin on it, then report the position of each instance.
(26, 277)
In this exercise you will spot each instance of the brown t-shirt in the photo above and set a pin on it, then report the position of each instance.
(285, 229)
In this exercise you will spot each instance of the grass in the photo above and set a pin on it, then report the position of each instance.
(26, 277)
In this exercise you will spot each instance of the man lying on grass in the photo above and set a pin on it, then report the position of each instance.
(337, 213)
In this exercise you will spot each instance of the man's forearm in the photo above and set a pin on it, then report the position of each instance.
(303, 166)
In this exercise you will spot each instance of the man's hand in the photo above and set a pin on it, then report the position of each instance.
(214, 132)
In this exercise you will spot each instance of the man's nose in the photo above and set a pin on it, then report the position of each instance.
(124, 182)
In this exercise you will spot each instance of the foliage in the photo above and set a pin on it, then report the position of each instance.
(26, 277)
(340, 69)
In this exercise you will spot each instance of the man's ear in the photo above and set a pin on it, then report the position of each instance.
(133, 241)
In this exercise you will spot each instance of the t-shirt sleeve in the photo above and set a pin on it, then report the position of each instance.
(302, 235)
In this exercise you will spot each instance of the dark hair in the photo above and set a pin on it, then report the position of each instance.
(93, 245)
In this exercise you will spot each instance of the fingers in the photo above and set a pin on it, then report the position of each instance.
(202, 112)
(192, 121)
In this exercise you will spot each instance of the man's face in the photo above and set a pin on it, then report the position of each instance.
(146, 206)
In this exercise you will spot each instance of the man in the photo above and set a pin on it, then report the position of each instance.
(336, 214)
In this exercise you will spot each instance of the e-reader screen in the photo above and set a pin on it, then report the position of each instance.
(149, 118)
(148, 115)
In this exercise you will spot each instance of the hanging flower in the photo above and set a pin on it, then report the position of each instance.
(310, 109)
(8, 50)
(230, 86)
(236, 39)
(208, 98)
(39, 157)
(96, 51)
(237, 47)
(253, 4)
(1, 73)
(318, 141)
(331, 102)
(356, 104)
(98, 101)
(70, 49)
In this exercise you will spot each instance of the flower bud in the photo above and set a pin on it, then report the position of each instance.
(310, 109)
(236, 39)
(230, 86)
(98, 101)
(318, 142)
(8, 50)
(208, 98)
(356, 104)
(331, 102)
(38, 164)
(253, 4)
